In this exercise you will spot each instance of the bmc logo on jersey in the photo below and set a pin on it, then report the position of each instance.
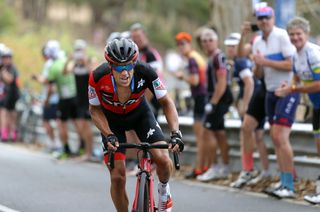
(157, 85)
(91, 92)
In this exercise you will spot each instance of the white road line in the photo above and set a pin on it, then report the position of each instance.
(6, 209)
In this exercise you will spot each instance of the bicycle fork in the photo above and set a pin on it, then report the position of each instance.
(145, 167)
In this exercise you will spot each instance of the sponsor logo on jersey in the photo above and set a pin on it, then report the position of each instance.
(157, 84)
(140, 83)
(91, 92)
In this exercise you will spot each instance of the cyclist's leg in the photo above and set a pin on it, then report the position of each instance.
(118, 186)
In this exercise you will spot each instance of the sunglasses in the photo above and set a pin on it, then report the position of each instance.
(260, 18)
(181, 43)
(120, 68)
(206, 40)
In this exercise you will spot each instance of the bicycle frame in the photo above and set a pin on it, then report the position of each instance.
(144, 172)
(144, 166)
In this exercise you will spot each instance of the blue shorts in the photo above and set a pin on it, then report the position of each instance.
(281, 110)
(50, 112)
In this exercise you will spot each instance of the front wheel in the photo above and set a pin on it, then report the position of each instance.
(143, 196)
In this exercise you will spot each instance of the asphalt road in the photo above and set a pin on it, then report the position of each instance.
(32, 181)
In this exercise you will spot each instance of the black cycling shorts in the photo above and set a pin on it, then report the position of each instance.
(141, 120)
(67, 109)
(316, 121)
(83, 112)
(256, 107)
(198, 109)
(215, 121)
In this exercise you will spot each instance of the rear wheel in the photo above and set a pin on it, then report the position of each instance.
(144, 190)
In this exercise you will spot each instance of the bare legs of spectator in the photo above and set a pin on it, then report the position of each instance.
(262, 149)
(4, 124)
(63, 133)
(214, 140)
(280, 137)
(317, 140)
(249, 137)
(12, 124)
(50, 132)
(84, 130)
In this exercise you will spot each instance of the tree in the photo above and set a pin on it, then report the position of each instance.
(228, 16)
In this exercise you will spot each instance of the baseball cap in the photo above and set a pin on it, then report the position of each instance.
(264, 11)
(183, 36)
(233, 39)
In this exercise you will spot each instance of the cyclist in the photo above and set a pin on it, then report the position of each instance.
(306, 68)
(196, 78)
(117, 104)
(272, 52)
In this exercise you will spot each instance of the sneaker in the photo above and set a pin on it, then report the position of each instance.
(192, 175)
(313, 199)
(61, 155)
(165, 199)
(283, 192)
(274, 186)
(211, 174)
(262, 176)
(243, 179)
(165, 203)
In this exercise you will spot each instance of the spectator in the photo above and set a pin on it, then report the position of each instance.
(219, 100)
(251, 109)
(50, 110)
(80, 66)
(272, 52)
(148, 55)
(10, 94)
(306, 68)
(66, 87)
(196, 78)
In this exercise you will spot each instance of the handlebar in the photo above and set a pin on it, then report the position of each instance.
(145, 147)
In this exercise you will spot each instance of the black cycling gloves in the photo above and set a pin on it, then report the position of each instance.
(176, 138)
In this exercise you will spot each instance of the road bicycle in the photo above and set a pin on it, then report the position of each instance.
(144, 199)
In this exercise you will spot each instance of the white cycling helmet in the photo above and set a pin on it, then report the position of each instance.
(52, 49)
(6, 52)
(79, 44)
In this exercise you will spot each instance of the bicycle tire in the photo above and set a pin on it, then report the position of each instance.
(143, 196)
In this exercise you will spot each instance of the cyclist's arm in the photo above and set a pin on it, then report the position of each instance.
(99, 119)
(170, 112)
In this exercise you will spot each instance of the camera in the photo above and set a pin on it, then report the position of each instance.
(254, 27)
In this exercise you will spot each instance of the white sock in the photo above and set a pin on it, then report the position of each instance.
(163, 188)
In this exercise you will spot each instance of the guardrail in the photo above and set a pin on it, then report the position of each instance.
(306, 161)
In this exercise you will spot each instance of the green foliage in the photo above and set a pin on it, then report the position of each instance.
(7, 17)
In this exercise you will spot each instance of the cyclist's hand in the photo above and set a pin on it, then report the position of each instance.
(111, 143)
(176, 144)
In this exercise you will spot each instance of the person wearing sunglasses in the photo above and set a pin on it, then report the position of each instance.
(219, 99)
(117, 104)
(272, 53)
